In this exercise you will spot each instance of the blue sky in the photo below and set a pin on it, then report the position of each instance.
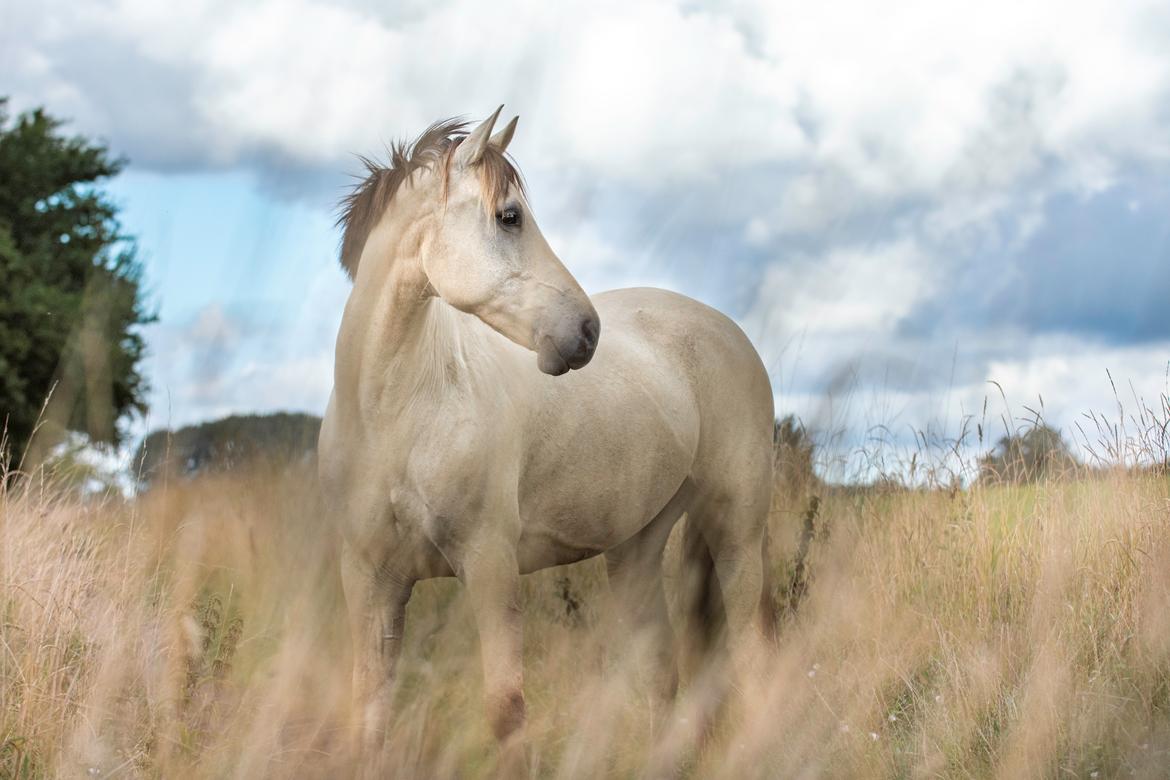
(899, 203)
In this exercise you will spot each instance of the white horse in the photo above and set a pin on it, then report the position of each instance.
(446, 452)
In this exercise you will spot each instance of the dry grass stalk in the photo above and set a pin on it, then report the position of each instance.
(198, 631)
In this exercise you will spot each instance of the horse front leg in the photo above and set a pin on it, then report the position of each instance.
(492, 577)
(376, 599)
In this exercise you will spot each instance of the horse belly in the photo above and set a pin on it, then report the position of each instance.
(557, 532)
(588, 489)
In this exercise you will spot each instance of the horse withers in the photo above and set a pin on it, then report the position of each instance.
(447, 450)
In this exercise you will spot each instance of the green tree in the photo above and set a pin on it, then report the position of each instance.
(72, 298)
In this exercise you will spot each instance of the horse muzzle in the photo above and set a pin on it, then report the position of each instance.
(569, 346)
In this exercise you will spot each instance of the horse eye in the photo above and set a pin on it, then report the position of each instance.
(509, 217)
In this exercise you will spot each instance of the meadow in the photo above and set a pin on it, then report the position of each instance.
(969, 630)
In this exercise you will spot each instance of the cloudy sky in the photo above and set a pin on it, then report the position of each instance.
(898, 202)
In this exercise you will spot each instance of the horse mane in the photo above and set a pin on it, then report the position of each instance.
(365, 204)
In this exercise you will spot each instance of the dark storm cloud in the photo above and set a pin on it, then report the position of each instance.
(141, 105)
(1097, 267)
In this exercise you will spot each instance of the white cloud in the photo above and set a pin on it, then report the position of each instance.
(634, 91)
(866, 428)
(941, 103)
(860, 153)
(847, 290)
(860, 107)
(1075, 376)
(213, 329)
(599, 264)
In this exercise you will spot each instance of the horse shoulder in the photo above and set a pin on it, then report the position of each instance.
(463, 474)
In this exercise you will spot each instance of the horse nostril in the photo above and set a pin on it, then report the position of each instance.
(589, 328)
(586, 342)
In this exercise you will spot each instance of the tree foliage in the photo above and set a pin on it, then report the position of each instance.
(227, 444)
(73, 298)
(793, 453)
(1037, 453)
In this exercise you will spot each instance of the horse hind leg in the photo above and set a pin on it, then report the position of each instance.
(704, 620)
(642, 639)
(728, 597)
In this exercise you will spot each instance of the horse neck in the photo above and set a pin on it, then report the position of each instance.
(410, 346)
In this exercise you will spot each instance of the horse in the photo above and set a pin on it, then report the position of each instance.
(445, 452)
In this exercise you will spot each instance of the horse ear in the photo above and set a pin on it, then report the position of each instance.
(471, 150)
(504, 137)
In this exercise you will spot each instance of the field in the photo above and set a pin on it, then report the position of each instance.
(198, 631)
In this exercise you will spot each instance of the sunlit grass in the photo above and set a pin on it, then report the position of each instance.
(199, 631)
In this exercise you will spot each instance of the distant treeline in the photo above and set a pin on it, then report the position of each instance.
(232, 442)
(226, 444)
(1035, 453)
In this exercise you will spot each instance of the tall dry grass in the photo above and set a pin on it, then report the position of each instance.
(198, 631)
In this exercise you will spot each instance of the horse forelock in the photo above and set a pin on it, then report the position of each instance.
(364, 206)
